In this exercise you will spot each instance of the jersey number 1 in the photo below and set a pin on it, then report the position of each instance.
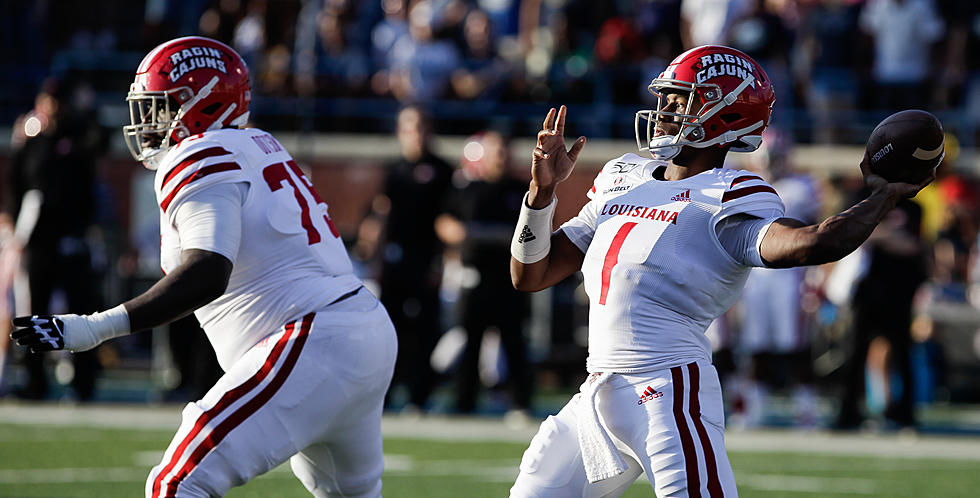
(612, 257)
(276, 174)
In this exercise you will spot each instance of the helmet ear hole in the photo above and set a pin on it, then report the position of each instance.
(731, 117)
(211, 109)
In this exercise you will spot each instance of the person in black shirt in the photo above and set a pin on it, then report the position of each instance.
(51, 200)
(480, 219)
(410, 253)
(883, 308)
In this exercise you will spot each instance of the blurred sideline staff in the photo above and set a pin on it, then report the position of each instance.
(51, 204)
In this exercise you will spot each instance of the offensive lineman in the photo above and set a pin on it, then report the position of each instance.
(248, 246)
(665, 246)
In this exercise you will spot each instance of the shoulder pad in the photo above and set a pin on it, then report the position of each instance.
(622, 174)
(197, 162)
(747, 192)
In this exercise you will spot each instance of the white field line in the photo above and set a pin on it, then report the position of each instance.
(809, 484)
(167, 417)
(70, 475)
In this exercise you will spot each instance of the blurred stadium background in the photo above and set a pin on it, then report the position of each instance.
(330, 76)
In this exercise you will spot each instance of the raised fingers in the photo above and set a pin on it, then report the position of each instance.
(560, 125)
(549, 120)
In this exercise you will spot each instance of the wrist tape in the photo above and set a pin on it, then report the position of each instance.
(532, 238)
(85, 332)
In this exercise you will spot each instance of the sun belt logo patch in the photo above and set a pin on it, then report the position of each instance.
(650, 394)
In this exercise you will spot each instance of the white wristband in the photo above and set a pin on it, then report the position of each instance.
(85, 332)
(532, 238)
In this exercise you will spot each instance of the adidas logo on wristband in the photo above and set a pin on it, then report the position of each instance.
(526, 235)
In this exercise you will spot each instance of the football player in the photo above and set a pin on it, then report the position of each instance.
(248, 246)
(775, 327)
(665, 244)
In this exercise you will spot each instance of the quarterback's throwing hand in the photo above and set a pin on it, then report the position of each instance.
(39, 332)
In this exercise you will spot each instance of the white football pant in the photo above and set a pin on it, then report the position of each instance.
(312, 394)
(668, 423)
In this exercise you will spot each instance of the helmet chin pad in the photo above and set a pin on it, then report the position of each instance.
(664, 148)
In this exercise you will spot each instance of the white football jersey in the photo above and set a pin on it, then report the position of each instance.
(290, 261)
(655, 271)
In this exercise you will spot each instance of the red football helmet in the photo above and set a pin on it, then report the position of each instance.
(184, 87)
(735, 97)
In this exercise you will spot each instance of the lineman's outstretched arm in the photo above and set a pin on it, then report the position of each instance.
(790, 243)
(198, 280)
(201, 277)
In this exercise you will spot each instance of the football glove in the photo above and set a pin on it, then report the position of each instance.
(39, 332)
(70, 332)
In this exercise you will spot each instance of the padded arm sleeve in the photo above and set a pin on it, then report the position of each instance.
(211, 219)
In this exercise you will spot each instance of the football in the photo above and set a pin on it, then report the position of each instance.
(906, 147)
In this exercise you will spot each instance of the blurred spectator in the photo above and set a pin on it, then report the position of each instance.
(411, 267)
(418, 65)
(960, 17)
(482, 73)
(219, 22)
(826, 66)
(273, 74)
(956, 239)
(776, 323)
(618, 52)
(708, 22)
(479, 219)
(903, 32)
(392, 27)
(51, 198)
(882, 305)
(767, 34)
(327, 62)
(249, 36)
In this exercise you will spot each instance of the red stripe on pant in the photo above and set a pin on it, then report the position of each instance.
(236, 418)
(714, 483)
(687, 443)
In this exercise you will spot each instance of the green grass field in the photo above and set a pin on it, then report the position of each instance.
(65, 461)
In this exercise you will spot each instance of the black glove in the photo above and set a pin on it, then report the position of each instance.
(39, 332)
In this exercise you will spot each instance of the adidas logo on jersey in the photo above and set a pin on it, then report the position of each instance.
(526, 235)
(650, 394)
(684, 196)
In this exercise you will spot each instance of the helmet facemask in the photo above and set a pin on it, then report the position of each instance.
(155, 122)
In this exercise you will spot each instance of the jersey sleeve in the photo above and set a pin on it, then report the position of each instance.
(195, 168)
(211, 219)
(741, 236)
(581, 228)
(748, 193)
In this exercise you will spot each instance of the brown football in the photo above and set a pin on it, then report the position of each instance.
(906, 147)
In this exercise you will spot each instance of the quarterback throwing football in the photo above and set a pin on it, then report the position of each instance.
(665, 245)
(248, 246)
